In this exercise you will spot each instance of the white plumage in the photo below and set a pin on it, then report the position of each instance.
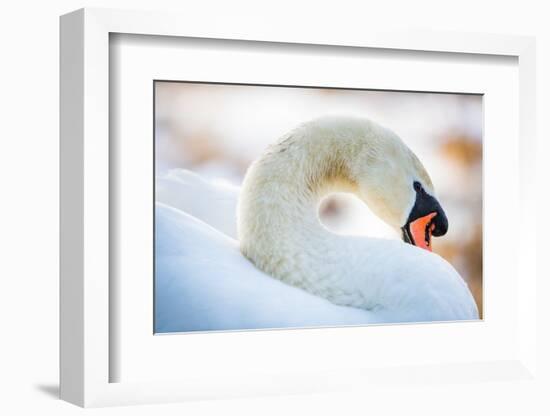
(213, 202)
(203, 282)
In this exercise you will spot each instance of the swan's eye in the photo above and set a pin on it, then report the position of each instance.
(417, 186)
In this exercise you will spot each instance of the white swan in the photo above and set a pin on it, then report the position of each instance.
(280, 232)
(204, 283)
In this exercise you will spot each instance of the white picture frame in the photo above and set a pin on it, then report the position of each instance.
(87, 357)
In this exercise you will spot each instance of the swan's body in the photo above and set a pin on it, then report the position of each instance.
(280, 232)
(202, 283)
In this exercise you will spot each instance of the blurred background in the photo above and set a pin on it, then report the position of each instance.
(217, 130)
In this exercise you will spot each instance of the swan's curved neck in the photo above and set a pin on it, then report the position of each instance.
(279, 226)
(280, 232)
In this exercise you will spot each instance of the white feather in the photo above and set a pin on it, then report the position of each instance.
(203, 282)
(213, 202)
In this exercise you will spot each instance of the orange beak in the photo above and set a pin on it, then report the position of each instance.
(421, 231)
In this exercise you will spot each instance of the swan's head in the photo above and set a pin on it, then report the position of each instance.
(396, 187)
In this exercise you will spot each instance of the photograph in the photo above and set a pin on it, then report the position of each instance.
(286, 207)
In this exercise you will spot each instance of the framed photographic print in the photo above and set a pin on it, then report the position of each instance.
(259, 212)
(216, 160)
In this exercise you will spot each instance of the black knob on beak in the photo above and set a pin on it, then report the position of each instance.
(440, 222)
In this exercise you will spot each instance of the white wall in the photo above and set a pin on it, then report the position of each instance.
(29, 176)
